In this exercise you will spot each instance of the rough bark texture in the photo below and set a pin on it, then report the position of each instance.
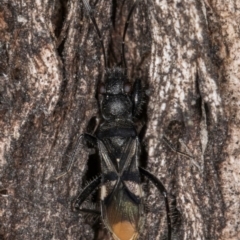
(187, 54)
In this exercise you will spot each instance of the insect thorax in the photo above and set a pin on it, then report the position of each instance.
(115, 99)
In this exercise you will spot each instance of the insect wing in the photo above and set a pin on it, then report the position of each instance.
(122, 214)
(121, 192)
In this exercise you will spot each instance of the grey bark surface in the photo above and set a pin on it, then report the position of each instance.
(187, 55)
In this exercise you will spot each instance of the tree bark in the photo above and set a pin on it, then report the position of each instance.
(186, 53)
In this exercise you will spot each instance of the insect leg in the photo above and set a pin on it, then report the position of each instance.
(179, 152)
(174, 149)
(96, 125)
(87, 191)
(91, 139)
(162, 189)
(91, 211)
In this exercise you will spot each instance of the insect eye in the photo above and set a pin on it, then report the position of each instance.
(127, 87)
(102, 89)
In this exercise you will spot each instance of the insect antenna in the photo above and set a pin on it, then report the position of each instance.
(91, 15)
(124, 34)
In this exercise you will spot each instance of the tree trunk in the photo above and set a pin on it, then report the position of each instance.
(186, 53)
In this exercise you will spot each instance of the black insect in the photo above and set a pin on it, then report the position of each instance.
(117, 142)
